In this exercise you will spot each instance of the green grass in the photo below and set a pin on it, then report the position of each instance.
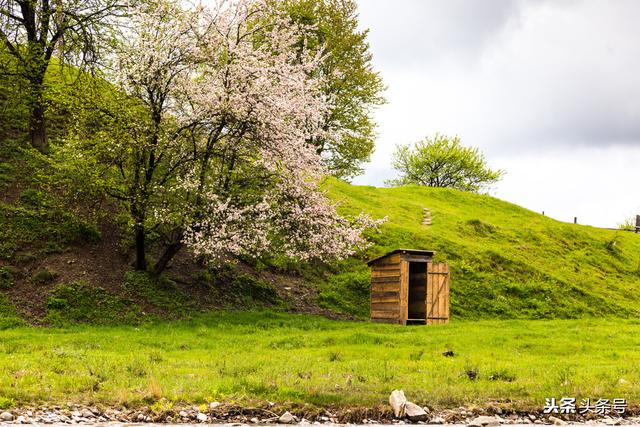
(246, 357)
(507, 262)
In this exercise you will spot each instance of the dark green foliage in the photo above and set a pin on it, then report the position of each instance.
(240, 289)
(347, 291)
(44, 277)
(159, 292)
(80, 303)
(6, 277)
(40, 230)
(8, 315)
(350, 80)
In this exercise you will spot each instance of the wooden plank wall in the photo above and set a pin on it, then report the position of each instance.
(385, 290)
(437, 293)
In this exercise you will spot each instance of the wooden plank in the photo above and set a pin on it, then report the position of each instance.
(447, 292)
(385, 294)
(384, 306)
(438, 301)
(404, 291)
(386, 267)
(388, 279)
(391, 259)
(375, 314)
(380, 320)
(383, 273)
(394, 300)
(385, 287)
(415, 258)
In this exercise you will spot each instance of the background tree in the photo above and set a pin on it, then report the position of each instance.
(205, 143)
(442, 161)
(350, 83)
(33, 30)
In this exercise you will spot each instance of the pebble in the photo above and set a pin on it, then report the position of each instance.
(6, 416)
(414, 412)
(557, 421)
(286, 418)
(202, 417)
(484, 421)
(214, 405)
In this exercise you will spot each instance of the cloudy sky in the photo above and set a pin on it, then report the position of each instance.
(549, 90)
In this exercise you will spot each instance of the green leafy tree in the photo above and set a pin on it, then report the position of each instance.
(32, 31)
(350, 82)
(443, 161)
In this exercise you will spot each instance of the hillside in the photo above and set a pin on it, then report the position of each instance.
(506, 261)
(64, 260)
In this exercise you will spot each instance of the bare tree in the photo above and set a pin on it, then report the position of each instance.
(32, 31)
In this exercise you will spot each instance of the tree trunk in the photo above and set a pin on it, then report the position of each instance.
(141, 260)
(38, 127)
(166, 257)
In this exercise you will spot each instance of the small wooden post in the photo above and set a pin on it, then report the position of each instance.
(575, 219)
(637, 223)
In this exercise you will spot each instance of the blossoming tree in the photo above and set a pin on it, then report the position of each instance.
(206, 146)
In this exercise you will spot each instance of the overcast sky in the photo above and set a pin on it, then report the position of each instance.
(549, 91)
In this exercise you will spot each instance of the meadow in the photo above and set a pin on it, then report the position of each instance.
(253, 357)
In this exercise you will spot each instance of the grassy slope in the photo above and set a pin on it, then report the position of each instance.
(506, 261)
(250, 357)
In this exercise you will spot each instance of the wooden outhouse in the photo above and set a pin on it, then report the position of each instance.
(408, 287)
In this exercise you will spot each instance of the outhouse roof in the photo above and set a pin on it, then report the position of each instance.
(403, 251)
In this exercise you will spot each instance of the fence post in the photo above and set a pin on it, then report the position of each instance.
(637, 223)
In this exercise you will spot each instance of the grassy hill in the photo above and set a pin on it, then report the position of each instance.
(62, 261)
(507, 261)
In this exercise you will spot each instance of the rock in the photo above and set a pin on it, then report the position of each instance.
(448, 353)
(414, 412)
(437, 420)
(214, 405)
(557, 421)
(286, 418)
(397, 400)
(86, 413)
(202, 417)
(141, 417)
(183, 414)
(255, 420)
(484, 421)
(6, 416)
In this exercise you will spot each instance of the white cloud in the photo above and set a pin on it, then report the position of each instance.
(549, 90)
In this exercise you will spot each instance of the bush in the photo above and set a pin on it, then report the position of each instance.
(6, 277)
(44, 277)
(81, 303)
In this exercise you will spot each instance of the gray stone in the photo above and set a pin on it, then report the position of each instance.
(86, 413)
(484, 421)
(438, 420)
(6, 416)
(214, 405)
(557, 421)
(414, 412)
(286, 418)
(397, 400)
(202, 417)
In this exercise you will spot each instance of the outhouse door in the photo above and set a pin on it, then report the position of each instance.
(437, 304)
